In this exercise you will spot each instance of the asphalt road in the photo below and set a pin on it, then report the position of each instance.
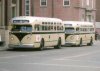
(86, 58)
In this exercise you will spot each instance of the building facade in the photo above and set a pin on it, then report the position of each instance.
(82, 10)
(98, 16)
(8, 9)
(98, 10)
(2, 21)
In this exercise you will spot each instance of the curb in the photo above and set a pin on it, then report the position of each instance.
(2, 48)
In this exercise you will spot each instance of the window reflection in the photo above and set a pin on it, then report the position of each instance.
(22, 28)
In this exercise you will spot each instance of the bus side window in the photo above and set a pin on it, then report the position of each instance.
(77, 29)
(51, 27)
(62, 28)
(58, 26)
(37, 27)
(54, 26)
(46, 28)
(81, 29)
(43, 27)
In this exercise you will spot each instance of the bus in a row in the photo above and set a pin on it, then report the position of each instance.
(36, 32)
(43, 32)
(79, 33)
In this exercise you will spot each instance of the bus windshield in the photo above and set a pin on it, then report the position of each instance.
(22, 28)
(69, 30)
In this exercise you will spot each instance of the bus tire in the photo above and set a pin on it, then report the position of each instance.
(41, 45)
(58, 46)
(80, 44)
(91, 42)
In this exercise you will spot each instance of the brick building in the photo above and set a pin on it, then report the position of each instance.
(98, 10)
(82, 10)
(98, 16)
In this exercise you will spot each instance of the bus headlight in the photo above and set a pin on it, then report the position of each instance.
(12, 38)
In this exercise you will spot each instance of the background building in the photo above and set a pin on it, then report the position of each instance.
(8, 9)
(82, 10)
(98, 16)
(2, 21)
(98, 10)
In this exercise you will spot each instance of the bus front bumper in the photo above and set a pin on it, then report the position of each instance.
(21, 46)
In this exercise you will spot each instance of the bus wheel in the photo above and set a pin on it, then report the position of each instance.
(58, 44)
(91, 42)
(41, 45)
(80, 44)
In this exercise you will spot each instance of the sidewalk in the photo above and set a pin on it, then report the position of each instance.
(2, 45)
(2, 48)
(97, 41)
(6, 38)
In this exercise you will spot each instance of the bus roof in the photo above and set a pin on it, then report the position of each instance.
(31, 19)
(77, 23)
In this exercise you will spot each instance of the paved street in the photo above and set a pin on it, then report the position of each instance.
(86, 58)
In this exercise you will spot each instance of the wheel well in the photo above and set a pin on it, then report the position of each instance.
(80, 39)
(91, 37)
(60, 38)
(42, 40)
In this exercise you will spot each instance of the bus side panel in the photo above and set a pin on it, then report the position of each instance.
(63, 38)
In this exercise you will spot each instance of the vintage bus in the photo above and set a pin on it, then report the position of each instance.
(36, 32)
(79, 33)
